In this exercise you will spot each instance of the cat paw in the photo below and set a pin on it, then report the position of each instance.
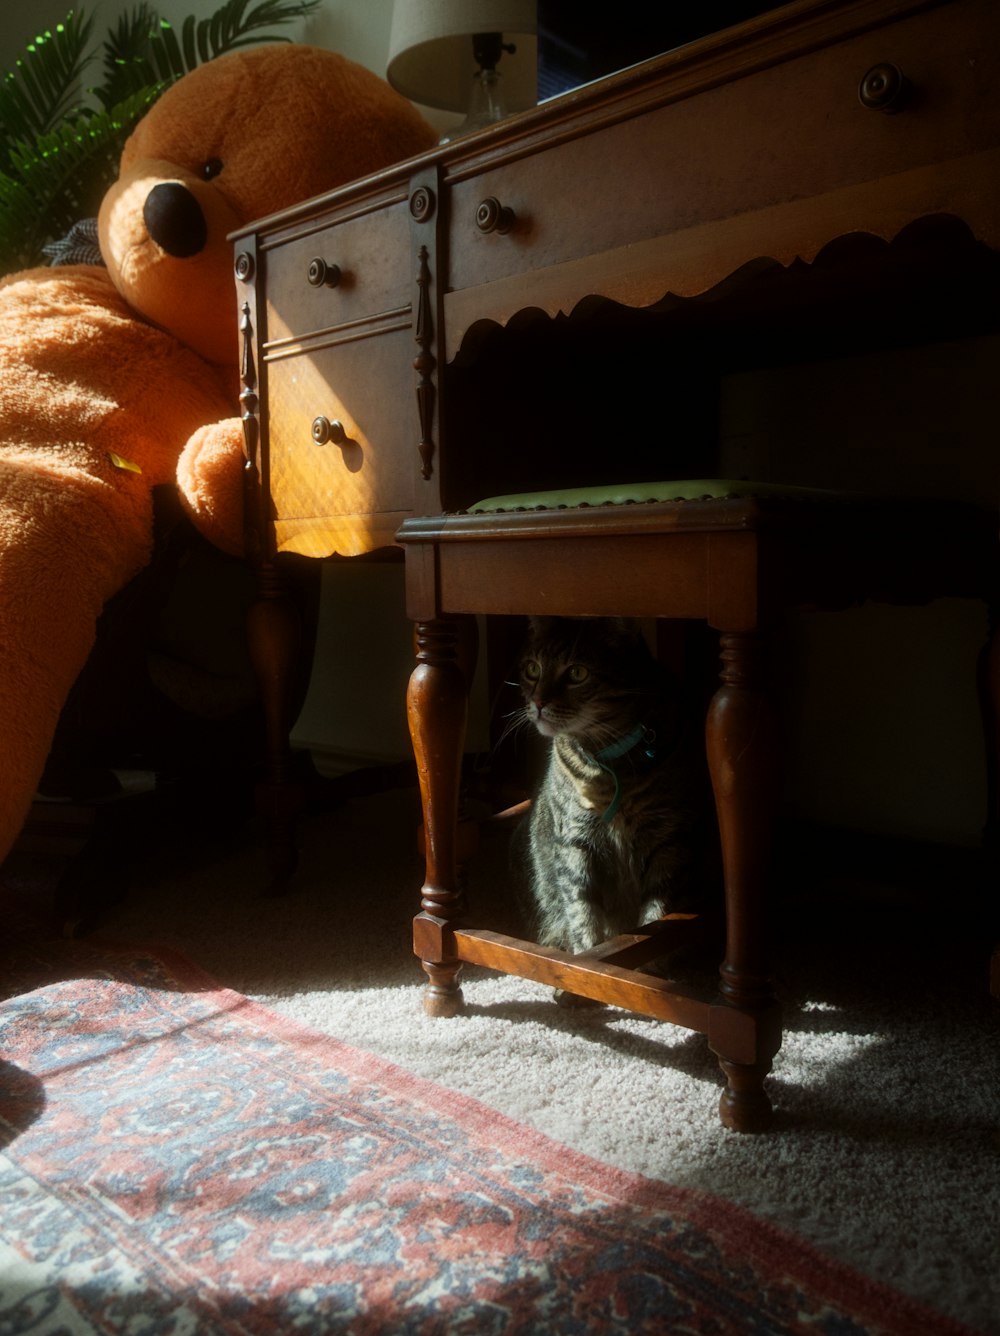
(573, 1000)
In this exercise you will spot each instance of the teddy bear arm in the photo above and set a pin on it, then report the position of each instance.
(210, 475)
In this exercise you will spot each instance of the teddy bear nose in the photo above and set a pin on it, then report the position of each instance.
(174, 219)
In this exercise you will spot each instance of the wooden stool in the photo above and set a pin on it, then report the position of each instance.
(733, 554)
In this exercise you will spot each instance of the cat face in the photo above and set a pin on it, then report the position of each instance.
(588, 679)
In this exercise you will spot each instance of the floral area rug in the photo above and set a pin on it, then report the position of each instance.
(177, 1159)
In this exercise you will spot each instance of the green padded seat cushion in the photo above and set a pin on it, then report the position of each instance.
(638, 493)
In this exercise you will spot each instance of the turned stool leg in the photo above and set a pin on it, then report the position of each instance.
(745, 1027)
(436, 709)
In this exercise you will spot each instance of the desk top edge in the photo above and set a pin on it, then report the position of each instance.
(771, 38)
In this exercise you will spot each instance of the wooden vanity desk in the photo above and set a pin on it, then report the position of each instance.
(826, 172)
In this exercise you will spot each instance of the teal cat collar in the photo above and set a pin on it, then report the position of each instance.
(623, 745)
(615, 752)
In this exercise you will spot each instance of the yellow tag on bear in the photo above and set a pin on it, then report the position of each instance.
(121, 463)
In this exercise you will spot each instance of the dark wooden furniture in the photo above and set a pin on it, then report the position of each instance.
(735, 562)
(546, 304)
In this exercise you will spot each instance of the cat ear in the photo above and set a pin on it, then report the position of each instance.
(626, 626)
(540, 625)
(630, 634)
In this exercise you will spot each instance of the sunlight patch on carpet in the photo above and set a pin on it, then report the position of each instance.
(181, 1158)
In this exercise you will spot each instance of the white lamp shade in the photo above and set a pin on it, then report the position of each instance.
(430, 50)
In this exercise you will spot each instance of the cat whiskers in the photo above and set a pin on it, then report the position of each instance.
(517, 721)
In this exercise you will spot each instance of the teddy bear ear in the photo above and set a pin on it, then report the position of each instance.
(326, 120)
(280, 123)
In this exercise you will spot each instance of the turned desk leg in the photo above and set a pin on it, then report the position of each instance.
(274, 630)
(745, 1027)
(989, 689)
(989, 699)
(436, 709)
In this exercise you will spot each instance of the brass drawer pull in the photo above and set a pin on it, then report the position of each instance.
(492, 216)
(323, 275)
(884, 88)
(324, 430)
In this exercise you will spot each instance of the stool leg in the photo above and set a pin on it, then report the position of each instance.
(436, 709)
(745, 1026)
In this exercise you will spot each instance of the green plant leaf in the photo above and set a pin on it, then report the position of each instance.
(126, 63)
(44, 86)
(58, 178)
(231, 25)
(168, 59)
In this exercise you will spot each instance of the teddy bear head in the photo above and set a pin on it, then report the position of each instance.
(238, 138)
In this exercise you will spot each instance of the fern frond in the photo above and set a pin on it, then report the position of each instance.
(126, 62)
(166, 54)
(60, 177)
(18, 218)
(57, 155)
(231, 26)
(44, 86)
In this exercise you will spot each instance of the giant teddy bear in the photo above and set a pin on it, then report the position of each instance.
(115, 380)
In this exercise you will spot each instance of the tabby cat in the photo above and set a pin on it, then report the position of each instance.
(614, 831)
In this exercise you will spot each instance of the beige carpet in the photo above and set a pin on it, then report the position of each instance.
(886, 1148)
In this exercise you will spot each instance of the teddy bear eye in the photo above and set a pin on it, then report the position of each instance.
(211, 168)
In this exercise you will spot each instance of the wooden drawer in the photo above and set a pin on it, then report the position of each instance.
(372, 255)
(349, 498)
(712, 150)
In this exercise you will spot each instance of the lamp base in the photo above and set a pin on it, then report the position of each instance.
(486, 105)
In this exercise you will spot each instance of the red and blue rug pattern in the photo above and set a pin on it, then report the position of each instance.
(177, 1159)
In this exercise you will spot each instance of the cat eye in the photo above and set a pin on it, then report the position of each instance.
(211, 169)
(577, 673)
(531, 671)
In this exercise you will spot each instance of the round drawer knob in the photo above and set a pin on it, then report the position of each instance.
(422, 204)
(884, 88)
(324, 430)
(492, 216)
(323, 275)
